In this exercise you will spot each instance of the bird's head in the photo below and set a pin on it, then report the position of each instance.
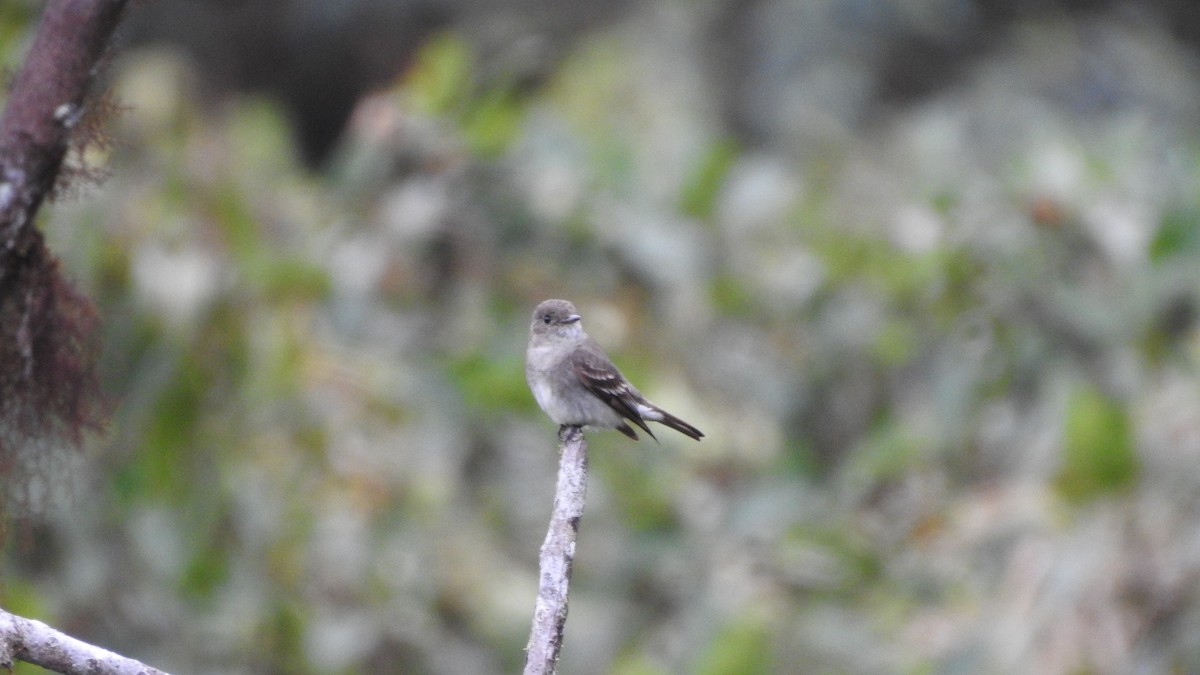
(556, 317)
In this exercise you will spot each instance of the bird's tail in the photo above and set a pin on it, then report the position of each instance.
(679, 425)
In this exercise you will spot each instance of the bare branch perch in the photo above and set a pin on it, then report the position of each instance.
(557, 554)
(34, 642)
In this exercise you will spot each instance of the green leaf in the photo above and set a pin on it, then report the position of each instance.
(743, 646)
(207, 570)
(493, 121)
(162, 465)
(700, 193)
(731, 296)
(1098, 455)
(489, 384)
(895, 343)
(441, 79)
(1179, 232)
(642, 501)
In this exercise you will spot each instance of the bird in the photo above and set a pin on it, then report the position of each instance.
(577, 384)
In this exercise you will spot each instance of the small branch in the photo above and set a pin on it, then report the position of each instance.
(34, 642)
(557, 554)
(46, 103)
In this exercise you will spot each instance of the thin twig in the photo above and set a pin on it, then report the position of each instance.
(557, 554)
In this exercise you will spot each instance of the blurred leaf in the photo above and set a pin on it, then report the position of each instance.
(855, 563)
(944, 201)
(889, 451)
(294, 279)
(895, 343)
(443, 84)
(851, 258)
(960, 273)
(636, 664)
(730, 296)
(16, 19)
(614, 162)
(262, 137)
(799, 458)
(1179, 232)
(192, 405)
(643, 499)
(161, 466)
(942, 281)
(259, 264)
(490, 384)
(441, 78)
(700, 192)
(233, 213)
(591, 92)
(492, 122)
(280, 642)
(20, 597)
(1099, 452)
(743, 646)
(207, 570)
(590, 84)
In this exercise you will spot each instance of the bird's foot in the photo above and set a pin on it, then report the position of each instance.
(565, 431)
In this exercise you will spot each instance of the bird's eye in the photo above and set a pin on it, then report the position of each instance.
(546, 319)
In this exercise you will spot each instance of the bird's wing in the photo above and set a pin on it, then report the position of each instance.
(599, 376)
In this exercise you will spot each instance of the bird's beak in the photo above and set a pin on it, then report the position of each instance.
(572, 319)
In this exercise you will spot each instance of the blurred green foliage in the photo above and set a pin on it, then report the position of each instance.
(731, 295)
(492, 383)
(1178, 235)
(699, 195)
(1098, 454)
(441, 80)
(15, 19)
(443, 83)
(742, 646)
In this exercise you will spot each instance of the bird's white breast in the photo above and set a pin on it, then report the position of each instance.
(540, 386)
(539, 378)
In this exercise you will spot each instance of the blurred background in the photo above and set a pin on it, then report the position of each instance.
(925, 273)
